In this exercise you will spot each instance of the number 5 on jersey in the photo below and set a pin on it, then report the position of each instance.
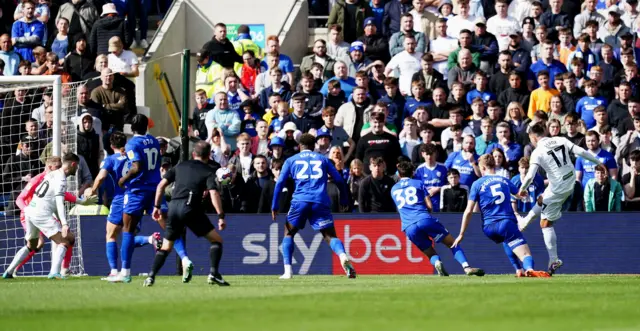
(496, 193)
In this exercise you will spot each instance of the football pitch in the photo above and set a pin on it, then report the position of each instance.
(328, 303)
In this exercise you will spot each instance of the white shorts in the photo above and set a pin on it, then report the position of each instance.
(552, 204)
(49, 226)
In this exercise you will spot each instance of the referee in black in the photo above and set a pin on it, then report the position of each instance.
(192, 179)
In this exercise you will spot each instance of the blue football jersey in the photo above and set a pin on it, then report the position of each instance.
(585, 107)
(493, 195)
(535, 189)
(116, 166)
(436, 177)
(146, 150)
(589, 169)
(409, 194)
(309, 172)
(467, 174)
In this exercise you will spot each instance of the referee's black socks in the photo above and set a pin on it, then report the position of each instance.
(158, 262)
(215, 254)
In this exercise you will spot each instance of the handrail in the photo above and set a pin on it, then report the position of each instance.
(286, 19)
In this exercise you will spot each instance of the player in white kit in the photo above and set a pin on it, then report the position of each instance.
(46, 208)
(552, 155)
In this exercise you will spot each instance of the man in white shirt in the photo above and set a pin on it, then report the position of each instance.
(502, 26)
(407, 63)
(122, 61)
(441, 47)
(462, 21)
(520, 9)
(336, 48)
(589, 14)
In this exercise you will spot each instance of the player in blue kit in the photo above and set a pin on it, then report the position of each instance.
(114, 167)
(412, 201)
(492, 193)
(140, 182)
(310, 202)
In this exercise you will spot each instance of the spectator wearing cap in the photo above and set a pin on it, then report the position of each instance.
(89, 144)
(224, 118)
(341, 72)
(589, 14)
(612, 31)
(284, 61)
(299, 117)
(376, 47)
(393, 12)
(555, 19)
(290, 135)
(630, 14)
(78, 62)
(220, 49)
(81, 15)
(350, 15)
(113, 99)
(357, 60)
(396, 43)
(502, 25)
(124, 62)
(276, 147)
(445, 9)
(109, 25)
(627, 45)
(208, 73)
(424, 20)
(27, 32)
(9, 56)
(336, 47)
(319, 56)
(464, 20)
(486, 43)
(528, 35)
(465, 40)
(243, 42)
(519, 9)
(323, 141)
(405, 63)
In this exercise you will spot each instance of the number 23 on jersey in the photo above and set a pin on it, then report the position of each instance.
(309, 169)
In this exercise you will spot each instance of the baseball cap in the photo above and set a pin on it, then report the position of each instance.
(162, 141)
(115, 44)
(614, 10)
(480, 21)
(627, 35)
(369, 21)
(324, 132)
(356, 46)
(289, 126)
(276, 141)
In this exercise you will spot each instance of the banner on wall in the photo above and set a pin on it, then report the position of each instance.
(257, 31)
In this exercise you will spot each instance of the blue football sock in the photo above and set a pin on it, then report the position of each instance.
(126, 251)
(527, 263)
(434, 259)
(458, 254)
(180, 247)
(112, 254)
(141, 241)
(336, 246)
(287, 249)
(515, 261)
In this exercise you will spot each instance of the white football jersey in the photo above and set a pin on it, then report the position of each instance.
(553, 155)
(43, 203)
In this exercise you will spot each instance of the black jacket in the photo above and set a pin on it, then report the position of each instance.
(393, 12)
(313, 106)
(78, 65)
(377, 47)
(284, 200)
(223, 53)
(198, 120)
(569, 100)
(618, 113)
(384, 145)
(304, 123)
(16, 167)
(105, 28)
(89, 147)
(509, 95)
(375, 195)
(551, 20)
(252, 193)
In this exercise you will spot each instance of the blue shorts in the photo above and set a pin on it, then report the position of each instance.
(140, 202)
(319, 216)
(115, 212)
(505, 231)
(421, 232)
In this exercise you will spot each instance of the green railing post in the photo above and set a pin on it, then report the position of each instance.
(184, 118)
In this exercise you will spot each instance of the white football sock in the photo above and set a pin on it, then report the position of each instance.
(113, 272)
(533, 214)
(185, 260)
(125, 272)
(20, 256)
(343, 257)
(287, 269)
(56, 261)
(549, 235)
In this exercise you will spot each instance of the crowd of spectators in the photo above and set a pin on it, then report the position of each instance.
(435, 82)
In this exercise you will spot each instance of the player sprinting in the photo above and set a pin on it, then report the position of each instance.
(492, 193)
(43, 213)
(552, 155)
(24, 199)
(309, 171)
(114, 166)
(418, 224)
(140, 182)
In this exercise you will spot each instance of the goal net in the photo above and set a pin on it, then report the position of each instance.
(38, 120)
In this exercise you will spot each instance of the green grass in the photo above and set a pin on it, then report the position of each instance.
(325, 303)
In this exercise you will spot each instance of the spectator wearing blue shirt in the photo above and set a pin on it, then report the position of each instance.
(546, 62)
(347, 84)
(586, 106)
(377, 8)
(626, 42)
(9, 56)
(535, 189)
(286, 64)
(513, 151)
(585, 169)
(235, 95)
(480, 91)
(394, 100)
(419, 98)
(27, 32)
(465, 161)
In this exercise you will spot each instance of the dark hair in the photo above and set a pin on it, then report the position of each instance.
(427, 57)
(139, 124)
(202, 149)
(378, 116)
(277, 164)
(453, 171)
(592, 23)
(391, 81)
(538, 129)
(306, 75)
(601, 168)
(428, 149)
(542, 73)
(118, 139)
(403, 158)
(634, 155)
(336, 27)
(592, 133)
(70, 157)
(427, 126)
(405, 169)
(467, 31)
(376, 160)
(308, 141)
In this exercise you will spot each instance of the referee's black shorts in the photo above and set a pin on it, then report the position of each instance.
(181, 216)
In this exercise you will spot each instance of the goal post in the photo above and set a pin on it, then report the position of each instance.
(28, 97)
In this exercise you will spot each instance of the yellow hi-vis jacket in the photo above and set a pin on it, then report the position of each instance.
(209, 78)
(243, 45)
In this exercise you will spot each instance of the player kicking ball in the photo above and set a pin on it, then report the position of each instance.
(310, 202)
(491, 192)
(552, 155)
(24, 199)
(417, 223)
(114, 166)
(192, 180)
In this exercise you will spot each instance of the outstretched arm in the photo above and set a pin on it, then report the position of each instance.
(466, 218)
